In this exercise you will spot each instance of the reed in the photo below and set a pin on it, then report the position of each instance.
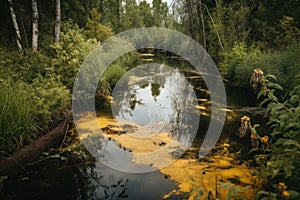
(16, 117)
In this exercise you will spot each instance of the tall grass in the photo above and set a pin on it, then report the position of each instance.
(16, 120)
(284, 64)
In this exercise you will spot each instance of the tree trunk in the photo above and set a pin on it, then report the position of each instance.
(17, 162)
(190, 18)
(196, 15)
(15, 24)
(57, 21)
(203, 25)
(35, 25)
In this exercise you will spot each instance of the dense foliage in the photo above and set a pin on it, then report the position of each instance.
(238, 64)
(277, 152)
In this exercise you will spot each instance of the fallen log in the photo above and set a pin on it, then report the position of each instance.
(16, 163)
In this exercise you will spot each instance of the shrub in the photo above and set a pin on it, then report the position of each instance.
(278, 151)
(22, 67)
(112, 74)
(50, 99)
(70, 52)
(240, 62)
(94, 29)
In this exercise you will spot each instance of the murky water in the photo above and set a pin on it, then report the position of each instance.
(156, 115)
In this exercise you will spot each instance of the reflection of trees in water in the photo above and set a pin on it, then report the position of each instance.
(170, 91)
(155, 90)
(133, 102)
(91, 183)
(183, 122)
(127, 99)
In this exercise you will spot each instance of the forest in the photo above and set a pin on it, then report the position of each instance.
(254, 45)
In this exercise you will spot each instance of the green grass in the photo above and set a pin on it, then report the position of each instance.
(16, 120)
(239, 64)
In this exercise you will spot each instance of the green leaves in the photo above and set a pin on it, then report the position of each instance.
(270, 76)
(274, 85)
(233, 191)
(266, 100)
(70, 52)
(94, 29)
(50, 98)
(16, 115)
(199, 193)
(261, 93)
(284, 147)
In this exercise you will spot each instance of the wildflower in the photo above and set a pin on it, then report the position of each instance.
(256, 77)
(285, 194)
(262, 156)
(244, 126)
(253, 136)
(281, 186)
(245, 119)
(264, 139)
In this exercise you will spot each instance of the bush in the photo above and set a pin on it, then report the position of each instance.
(94, 29)
(112, 75)
(50, 99)
(70, 52)
(238, 65)
(22, 67)
(278, 151)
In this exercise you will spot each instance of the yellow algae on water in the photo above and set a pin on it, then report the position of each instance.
(155, 150)
(193, 175)
(190, 174)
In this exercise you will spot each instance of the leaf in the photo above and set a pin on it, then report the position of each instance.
(288, 170)
(275, 106)
(272, 96)
(255, 126)
(294, 99)
(253, 131)
(262, 192)
(271, 121)
(252, 150)
(271, 76)
(291, 142)
(274, 85)
(275, 133)
(263, 102)
(291, 125)
(294, 194)
(261, 93)
(290, 134)
(283, 116)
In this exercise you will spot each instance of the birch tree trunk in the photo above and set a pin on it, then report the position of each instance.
(203, 25)
(57, 21)
(15, 24)
(35, 25)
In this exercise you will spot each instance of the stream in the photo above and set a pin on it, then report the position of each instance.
(148, 148)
